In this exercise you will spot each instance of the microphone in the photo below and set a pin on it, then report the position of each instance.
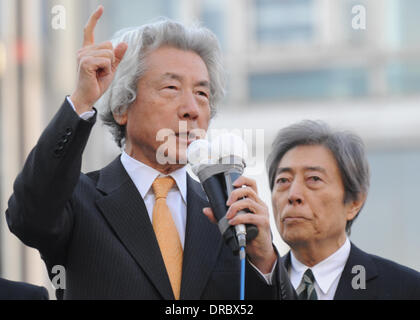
(217, 166)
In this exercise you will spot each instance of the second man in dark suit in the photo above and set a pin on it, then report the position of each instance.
(319, 180)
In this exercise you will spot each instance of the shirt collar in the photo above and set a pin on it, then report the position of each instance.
(326, 271)
(143, 176)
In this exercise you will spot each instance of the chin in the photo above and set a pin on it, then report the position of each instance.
(171, 156)
(181, 160)
(293, 236)
(181, 155)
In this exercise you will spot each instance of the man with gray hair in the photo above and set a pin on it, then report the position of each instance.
(135, 229)
(319, 180)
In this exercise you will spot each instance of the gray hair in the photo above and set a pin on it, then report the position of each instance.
(145, 39)
(348, 150)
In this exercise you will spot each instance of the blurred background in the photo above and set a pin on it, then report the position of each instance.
(286, 60)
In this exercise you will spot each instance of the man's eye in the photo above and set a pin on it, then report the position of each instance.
(171, 87)
(281, 180)
(315, 178)
(204, 94)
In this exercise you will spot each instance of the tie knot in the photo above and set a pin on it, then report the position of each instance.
(308, 277)
(161, 186)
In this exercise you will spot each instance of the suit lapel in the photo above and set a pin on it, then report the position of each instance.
(202, 244)
(124, 209)
(286, 260)
(345, 289)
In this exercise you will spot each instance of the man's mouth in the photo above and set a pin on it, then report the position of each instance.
(294, 218)
(187, 136)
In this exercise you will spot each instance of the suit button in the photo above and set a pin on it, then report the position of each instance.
(69, 132)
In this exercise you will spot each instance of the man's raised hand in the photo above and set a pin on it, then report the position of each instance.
(97, 64)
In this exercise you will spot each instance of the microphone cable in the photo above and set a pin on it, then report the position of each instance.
(242, 281)
(241, 234)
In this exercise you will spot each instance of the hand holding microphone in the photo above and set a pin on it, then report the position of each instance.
(216, 169)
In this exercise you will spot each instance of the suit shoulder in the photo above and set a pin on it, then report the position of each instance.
(87, 181)
(395, 268)
(386, 266)
(12, 290)
(93, 175)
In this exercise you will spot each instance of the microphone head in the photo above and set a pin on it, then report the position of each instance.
(198, 153)
(228, 146)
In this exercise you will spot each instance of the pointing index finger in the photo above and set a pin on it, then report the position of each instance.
(89, 31)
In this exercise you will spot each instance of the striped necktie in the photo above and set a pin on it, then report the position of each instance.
(306, 289)
(167, 234)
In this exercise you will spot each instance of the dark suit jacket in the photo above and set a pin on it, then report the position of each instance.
(97, 226)
(385, 279)
(11, 290)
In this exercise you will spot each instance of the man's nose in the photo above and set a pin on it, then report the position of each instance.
(295, 196)
(189, 109)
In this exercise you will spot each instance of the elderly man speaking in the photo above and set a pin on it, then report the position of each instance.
(135, 229)
(319, 180)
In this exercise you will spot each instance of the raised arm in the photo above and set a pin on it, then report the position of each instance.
(40, 211)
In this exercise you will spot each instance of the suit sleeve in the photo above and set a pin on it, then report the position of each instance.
(39, 211)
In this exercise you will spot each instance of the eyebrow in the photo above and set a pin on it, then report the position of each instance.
(174, 76)
(310, 168)
(283, 169)
(169, 75)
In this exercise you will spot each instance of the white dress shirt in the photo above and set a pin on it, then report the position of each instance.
(327, 273)
(143, 177)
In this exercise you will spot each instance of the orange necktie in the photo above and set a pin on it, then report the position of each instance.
(167, 234)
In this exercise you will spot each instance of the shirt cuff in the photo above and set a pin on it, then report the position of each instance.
(85, 115)
(268, 277)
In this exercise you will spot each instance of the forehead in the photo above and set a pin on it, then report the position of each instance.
(170, 60)
(301, 158)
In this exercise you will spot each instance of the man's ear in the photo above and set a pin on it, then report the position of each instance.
(121, 119)
(355, 207)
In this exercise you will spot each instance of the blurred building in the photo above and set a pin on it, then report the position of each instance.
(287, 60)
